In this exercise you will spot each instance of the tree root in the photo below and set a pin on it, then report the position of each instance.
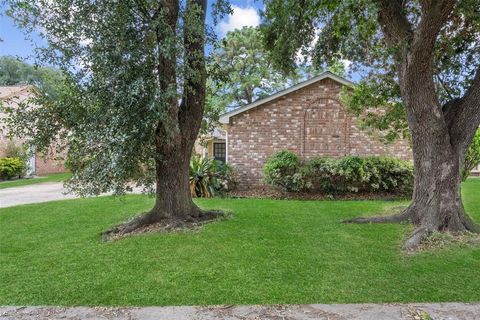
(152, 221)
(405, 215)
(132, 225)
(417, 238)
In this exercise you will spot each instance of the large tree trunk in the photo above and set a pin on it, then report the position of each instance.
(437, 203)
(173, 197)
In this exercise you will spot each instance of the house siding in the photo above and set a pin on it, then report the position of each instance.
(310, 122)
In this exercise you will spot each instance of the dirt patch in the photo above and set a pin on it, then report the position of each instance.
(172, 225)
(441, 240)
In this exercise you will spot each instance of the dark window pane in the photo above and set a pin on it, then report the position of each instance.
(219, 151)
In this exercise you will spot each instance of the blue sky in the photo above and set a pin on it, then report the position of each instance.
(15, 42)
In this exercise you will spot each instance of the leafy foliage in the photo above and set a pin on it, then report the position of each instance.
(472, 158)
(15, 150)
(349, 29)
(282, 170)
(127, 65)
(240, 72)
(12, 167)
(209, 177)
(285, 171)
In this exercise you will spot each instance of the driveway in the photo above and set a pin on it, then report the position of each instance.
(41, 192)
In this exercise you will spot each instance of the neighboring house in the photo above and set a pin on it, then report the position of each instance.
(38, 165)
(308, 119)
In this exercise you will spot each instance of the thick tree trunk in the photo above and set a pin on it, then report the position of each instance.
(173, 198)
(437, 202)
(440, 135)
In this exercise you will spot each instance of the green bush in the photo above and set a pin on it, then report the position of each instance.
(209, 177)
(285, 171)
(282, 170)
(11, 167)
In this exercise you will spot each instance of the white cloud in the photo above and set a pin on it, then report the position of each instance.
(346, 63)
(241, 17)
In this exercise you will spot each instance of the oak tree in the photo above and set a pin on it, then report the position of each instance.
(133, 99)
(420, 58)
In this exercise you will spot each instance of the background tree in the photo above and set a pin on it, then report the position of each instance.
(240, 72)
(419, 57)
(240, 69)
(472, 158)
(16, 72)
(133, 99)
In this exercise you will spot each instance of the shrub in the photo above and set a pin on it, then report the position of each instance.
(209, 177)
(11, 167)
(285, 171)
(282, 170)
(14, 150)
(320, 175)
(472, 159)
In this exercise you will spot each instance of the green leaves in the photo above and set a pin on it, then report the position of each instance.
(472, 159)
(126, 70)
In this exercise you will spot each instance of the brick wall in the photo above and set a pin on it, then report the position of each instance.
(45, 166)
(310, 122)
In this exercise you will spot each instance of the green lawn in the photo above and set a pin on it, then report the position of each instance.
(269, 252)
(54, 177)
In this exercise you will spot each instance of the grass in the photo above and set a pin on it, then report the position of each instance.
(54, 177)
(270, 252)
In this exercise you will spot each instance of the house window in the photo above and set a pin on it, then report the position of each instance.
(219, 151)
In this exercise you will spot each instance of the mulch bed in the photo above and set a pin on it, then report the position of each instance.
(281, 195)
(172, 225)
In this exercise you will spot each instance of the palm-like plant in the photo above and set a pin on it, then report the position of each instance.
(208, 177)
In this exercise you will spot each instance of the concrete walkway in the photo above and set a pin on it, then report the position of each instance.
(40, 192)
(416, 311)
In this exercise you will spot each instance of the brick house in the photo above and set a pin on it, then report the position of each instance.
(308, 119)
(38, 165)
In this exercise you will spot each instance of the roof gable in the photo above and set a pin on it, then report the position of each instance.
(225, 118)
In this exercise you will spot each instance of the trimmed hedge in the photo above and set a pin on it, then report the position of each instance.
(284, 171)
(11, 168)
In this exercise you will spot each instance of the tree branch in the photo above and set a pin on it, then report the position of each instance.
(463, 116)
(193, 101)
(435, 14)
(394, 23)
